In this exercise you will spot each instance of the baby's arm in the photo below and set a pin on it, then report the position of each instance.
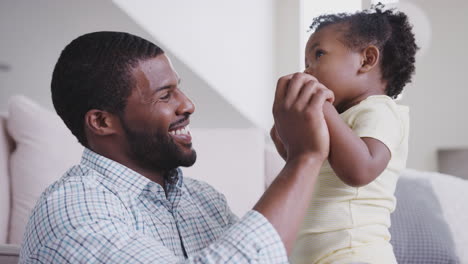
(356, 161)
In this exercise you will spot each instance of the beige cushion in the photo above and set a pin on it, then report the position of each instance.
(9, 254)
(5, 147)
(45, 149)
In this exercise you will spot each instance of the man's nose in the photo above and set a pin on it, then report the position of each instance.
(186, 105)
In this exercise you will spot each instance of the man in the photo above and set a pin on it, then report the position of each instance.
(127, 201)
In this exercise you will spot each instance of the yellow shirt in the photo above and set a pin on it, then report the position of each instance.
(351, 223)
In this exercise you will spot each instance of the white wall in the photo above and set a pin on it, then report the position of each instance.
(313, 8)
(439, 93)
(288, 32)
(293, 18)
(229, 44)
(33, 33)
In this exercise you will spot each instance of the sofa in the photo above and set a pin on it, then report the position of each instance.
(36, 148)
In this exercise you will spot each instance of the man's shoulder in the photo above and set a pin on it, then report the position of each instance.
(78, 195)
(82, 191)
(79, 182)
(77, 200)
(77, 175)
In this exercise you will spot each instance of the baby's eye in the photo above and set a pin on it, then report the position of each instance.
(319, 53)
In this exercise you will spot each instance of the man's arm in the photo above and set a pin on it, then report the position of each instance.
(81, 222)
(99, 242)
(95, 226)
(300, 123)
(356, 161)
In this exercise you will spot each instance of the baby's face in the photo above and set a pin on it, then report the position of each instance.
(333, 64)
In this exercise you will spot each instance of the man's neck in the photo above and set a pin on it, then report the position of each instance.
(119, 156)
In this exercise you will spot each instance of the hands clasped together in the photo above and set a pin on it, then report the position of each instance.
(300, 127)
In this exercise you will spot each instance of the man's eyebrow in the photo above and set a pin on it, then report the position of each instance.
(168, 86)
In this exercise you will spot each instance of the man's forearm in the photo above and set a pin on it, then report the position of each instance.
(301, 126)
(284, 203)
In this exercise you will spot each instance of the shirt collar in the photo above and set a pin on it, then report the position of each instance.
(126, 178)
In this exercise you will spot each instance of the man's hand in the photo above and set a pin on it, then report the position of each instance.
(301, 135)
(300, 127)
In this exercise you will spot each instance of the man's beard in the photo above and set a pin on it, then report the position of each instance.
(156, 151)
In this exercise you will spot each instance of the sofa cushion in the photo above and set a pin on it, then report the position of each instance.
(452, 195)
(5, 148)
(419, 230)
(9, 254)
(45, 149)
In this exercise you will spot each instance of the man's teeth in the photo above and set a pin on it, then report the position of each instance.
(180, 131)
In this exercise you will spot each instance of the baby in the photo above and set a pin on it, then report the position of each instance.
(365, 58)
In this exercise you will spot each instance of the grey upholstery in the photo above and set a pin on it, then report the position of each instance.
(420, 234)
(9, 254)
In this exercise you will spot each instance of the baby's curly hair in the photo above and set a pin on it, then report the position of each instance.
(390, 31)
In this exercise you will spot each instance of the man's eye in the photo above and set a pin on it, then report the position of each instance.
(319, 53)
(166, 96)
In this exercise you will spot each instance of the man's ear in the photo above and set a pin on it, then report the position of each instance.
(369, 59)
(100, 122)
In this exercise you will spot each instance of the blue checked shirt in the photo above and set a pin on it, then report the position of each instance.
(102, 212)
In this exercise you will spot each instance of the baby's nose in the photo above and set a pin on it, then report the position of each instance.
(308, 71)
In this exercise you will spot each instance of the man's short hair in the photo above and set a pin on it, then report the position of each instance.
(94, 72)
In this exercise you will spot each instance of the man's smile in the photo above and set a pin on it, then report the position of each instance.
(181, 134)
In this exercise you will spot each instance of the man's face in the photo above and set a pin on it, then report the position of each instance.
(156, 118)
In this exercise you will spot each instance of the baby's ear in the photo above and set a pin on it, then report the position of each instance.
(369, 59)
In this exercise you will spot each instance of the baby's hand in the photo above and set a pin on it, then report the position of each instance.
(299, 119)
